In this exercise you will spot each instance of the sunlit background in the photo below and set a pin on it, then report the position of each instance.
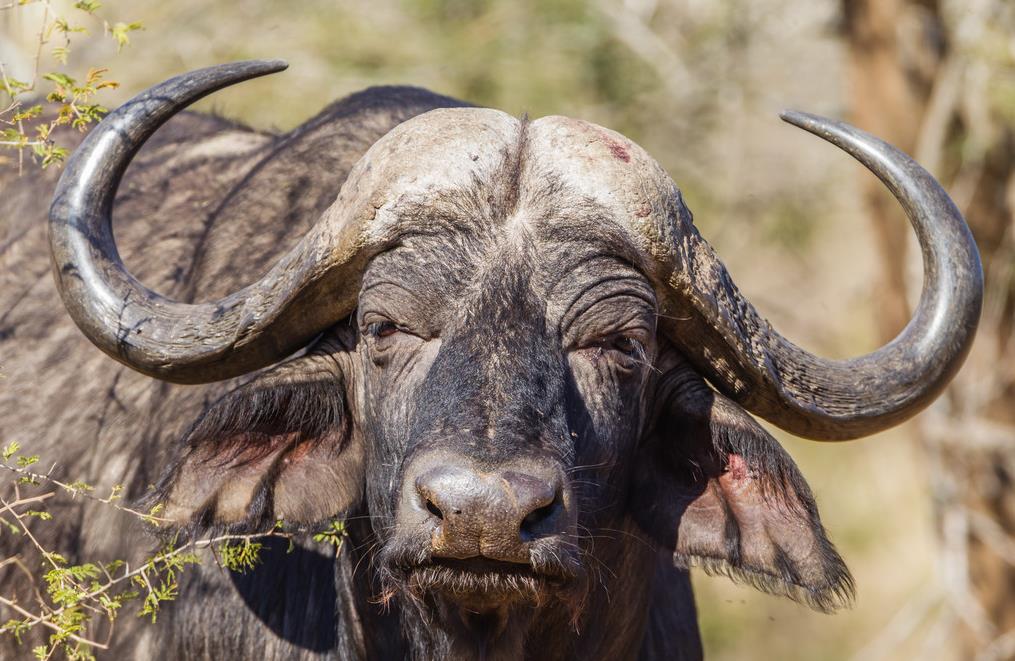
(699, 84)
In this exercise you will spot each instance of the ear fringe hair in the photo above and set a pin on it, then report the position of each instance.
(258, 521)
(839, 592)
(692, 408)
(250, 416)
(247, 422)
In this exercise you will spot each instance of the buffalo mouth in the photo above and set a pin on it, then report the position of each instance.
(481, 582)
(482, 585)
(487, 605)
(483, 606)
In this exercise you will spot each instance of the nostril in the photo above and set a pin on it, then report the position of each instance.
(433, 509)
(539, 522)
(536, 517)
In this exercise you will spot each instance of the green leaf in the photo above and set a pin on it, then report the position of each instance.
(240, 557)
(153, 514)
(53, 156)
(60, 53)
(61, 79)
(12, 86)
(16, 628)
(27, 113)
(61, 25)
(25, 462)
(81, 572)
(120, 32)
(88, 6)
(15, 530)
(334, 535)
(11, 448)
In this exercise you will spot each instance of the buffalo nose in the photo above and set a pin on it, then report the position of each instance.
(493, 515)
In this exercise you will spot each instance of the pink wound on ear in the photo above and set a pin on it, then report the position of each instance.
(736, 466)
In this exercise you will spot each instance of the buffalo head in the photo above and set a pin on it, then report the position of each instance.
(502, 332)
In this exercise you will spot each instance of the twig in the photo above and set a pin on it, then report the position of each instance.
(20, 566)
(28, 533)
(14, 105)
(153, 563)
(42, 42)
(38, 619)
(941, 107)
(77, 491)
(993, 535)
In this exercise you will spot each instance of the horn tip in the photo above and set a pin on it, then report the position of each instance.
(253, 68)
(273, 65)
(799, 118)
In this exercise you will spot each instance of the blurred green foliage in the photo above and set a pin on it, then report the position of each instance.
(34, 108)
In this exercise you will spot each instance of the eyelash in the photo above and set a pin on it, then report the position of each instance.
(631, 346)
(382, 329)
(622, 344)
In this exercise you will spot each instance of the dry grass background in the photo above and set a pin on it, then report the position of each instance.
(698, 84)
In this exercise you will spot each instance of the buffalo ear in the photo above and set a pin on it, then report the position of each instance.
(715, 487)
(279, 447)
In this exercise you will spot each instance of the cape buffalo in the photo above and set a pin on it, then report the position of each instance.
(497, 346)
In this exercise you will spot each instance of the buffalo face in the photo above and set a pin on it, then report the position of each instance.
(521, 433)
(504, 391)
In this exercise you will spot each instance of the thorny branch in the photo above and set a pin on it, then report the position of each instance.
(67, 100)
(84, 490)
(71, 600)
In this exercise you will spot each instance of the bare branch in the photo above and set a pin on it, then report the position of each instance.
(44, 621)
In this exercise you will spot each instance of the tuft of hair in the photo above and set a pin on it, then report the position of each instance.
(836, 593)
(246, 425)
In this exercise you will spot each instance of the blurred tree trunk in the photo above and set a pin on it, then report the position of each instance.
(925, 76)
(890, 82)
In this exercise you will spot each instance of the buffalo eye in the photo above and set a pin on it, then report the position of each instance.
(382, 329)
(627, 346)
(624, 350)
(385, 335)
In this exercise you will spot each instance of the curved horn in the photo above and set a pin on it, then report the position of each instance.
(166, 339)
(726, 338)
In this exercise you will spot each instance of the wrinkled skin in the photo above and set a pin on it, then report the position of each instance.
(511, 325)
